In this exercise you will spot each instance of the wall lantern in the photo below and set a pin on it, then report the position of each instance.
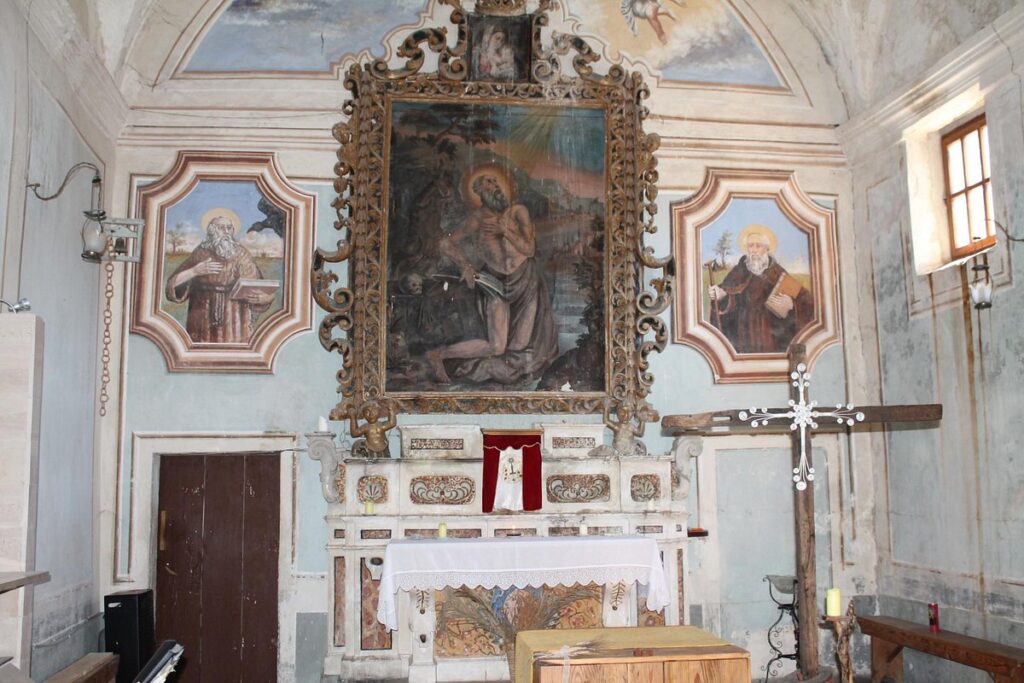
(103, 238)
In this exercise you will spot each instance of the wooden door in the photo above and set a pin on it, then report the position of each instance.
(217, 564)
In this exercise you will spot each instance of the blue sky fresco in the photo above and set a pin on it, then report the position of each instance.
(794, 248)
(704, 41)
(298, 35)
(241, 196)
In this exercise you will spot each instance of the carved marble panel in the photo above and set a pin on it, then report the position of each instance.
(578, 488)
(441, 442)
(373, 634)
(339, 602)
(442, 490)
(373, 488)
(680, 580)
(571, 440)
(375, 534)
(504, 533)
(645, 487)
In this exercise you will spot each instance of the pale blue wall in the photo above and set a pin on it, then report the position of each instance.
(303, 387)
(64, 290)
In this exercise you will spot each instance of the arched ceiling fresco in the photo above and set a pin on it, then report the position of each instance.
(701, 41)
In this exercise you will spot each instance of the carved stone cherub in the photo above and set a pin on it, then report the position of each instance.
(373, 432)
(624, 430)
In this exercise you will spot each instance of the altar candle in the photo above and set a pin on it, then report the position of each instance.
(442, 530)
(321, 424)
(583, 529)
(832, 603)
(368, 507)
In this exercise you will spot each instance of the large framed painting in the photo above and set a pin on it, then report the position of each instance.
(223, 280)
(759, 266)
(492, 217)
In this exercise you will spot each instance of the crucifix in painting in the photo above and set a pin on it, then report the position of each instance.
(800, 418)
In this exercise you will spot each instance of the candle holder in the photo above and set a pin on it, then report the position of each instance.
(842, 628)
(779, 586)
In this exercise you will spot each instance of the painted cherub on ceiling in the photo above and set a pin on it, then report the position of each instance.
(649, 10)
(695, 41)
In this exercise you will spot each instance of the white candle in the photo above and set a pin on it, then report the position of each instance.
(833, 606)
(321, 424)
(442, 530)
(368, 507)
(583, 529)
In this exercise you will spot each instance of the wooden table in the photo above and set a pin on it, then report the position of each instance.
(889, 636)
(676, 654)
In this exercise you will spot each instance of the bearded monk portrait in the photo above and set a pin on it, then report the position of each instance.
(759, 306)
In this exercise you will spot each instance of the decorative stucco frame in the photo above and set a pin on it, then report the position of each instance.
(152, 202)
(356, 309)
(690, 216)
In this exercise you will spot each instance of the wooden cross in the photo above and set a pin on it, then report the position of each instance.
(800, 418)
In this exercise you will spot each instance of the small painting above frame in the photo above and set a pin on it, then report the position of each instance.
(758, 261)
(492, 217)
(223, 281)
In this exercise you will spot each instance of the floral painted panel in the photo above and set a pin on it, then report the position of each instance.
(442, 490)
(578, 488)
(373, 488)
(645, 487)
(373, 634)
(478, 626)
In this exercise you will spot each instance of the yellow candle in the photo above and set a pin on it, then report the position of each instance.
(368, 507)
(832, 603)
(442, 530)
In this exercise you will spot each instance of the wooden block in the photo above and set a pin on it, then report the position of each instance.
(95, 667)
(708, 671)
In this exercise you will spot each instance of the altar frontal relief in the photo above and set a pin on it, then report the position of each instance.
(494, 249)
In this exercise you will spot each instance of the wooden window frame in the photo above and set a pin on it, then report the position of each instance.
(960, 133)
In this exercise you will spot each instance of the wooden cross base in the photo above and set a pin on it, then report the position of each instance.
(842, 628)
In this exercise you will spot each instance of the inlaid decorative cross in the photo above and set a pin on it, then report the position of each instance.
(802, 416)
(800, 419)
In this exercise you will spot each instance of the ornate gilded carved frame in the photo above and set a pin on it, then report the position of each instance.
(357, 309)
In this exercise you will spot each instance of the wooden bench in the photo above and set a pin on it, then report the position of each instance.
(95, 667)
(889, 636)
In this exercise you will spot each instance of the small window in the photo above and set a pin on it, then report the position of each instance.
(968, 188)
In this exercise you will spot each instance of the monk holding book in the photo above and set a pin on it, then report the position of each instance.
(760, 307)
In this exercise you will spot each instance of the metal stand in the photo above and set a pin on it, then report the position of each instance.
(784, 586)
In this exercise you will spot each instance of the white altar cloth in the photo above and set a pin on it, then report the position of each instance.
(519, 561)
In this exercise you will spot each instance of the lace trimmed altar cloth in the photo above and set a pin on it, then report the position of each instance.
(520, 562)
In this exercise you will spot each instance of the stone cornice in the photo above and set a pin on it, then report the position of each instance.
(984, 60)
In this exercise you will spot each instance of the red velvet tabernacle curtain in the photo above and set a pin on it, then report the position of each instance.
(497, 440)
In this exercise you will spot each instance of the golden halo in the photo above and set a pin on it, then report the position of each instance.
(773, 241)
(500, 173)
(222, 212)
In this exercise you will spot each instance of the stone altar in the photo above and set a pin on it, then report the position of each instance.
(410, 497)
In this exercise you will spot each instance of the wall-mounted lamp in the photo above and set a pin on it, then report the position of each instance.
(981, 286)
(103, 238)
(20, 305)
